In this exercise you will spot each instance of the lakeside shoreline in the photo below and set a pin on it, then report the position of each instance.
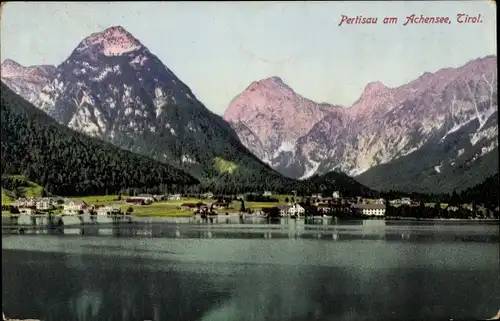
(401, 218)
(193, 218)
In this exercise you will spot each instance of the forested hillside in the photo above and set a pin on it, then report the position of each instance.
(484, 193)
(65, 162)
(333, 181)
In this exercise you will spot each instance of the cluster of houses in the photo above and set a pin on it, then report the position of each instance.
(324, 206)
(34, 205)
(333, 205)
(66, 206)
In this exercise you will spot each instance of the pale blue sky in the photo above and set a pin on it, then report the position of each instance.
(219, 48)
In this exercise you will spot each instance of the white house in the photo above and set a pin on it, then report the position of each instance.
(406, 201)
(45, 204)
(25, 202)
(296, 209)
(174, 197)
(108, 210)
(370, 209)
(74, 207)
(336, 194)
(267, 193)
(208, 195)
(284, 210)
(291, 209)
(148, 198)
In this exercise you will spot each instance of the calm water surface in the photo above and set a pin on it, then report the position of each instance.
(366, 270)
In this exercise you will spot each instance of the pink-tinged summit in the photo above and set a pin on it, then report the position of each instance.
(113, 41)
(275, 113)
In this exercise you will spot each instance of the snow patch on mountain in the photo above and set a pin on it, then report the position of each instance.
(311, 168)
(484, 134)
(188, 159)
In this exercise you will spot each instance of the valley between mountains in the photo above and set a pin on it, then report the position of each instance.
(435, 134)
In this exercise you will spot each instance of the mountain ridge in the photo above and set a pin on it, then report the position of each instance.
(26, 80)
(113, 88)
(381, 126)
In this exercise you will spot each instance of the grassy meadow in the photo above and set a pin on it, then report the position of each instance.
(32, 190)
(171, 208)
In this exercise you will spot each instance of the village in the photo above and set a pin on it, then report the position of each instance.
(251, 204)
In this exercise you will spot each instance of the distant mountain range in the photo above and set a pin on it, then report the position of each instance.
(26, 81)
(435, 134)
(113, 88)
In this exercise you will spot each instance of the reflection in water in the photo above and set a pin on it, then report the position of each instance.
(271, 294)
(344, 230)
(290, 272)
(244, 280)
(86, 305)
(99, 288)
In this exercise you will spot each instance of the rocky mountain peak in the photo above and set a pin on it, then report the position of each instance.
(113, 41)
(26, 81)
(9, 63)
(11, 68)
(374, 88)
(270, 84)
(266, 107)
(374, 96)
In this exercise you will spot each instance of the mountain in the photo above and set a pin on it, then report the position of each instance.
(26, 81)
(65, 162)
(269, 117)
(113, 88)
(388, 124)
(453, 163)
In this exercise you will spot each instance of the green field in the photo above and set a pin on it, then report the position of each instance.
(32, 190)
(96, 199)
(225, 166)
(259, 205)
(5, 199)
(156, 210)
(171, 208)
(163, 208)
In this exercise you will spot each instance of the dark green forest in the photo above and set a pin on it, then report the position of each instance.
(68, 163)
(333, 181)
(485, 193)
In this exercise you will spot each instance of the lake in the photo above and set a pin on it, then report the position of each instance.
(180, 270)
